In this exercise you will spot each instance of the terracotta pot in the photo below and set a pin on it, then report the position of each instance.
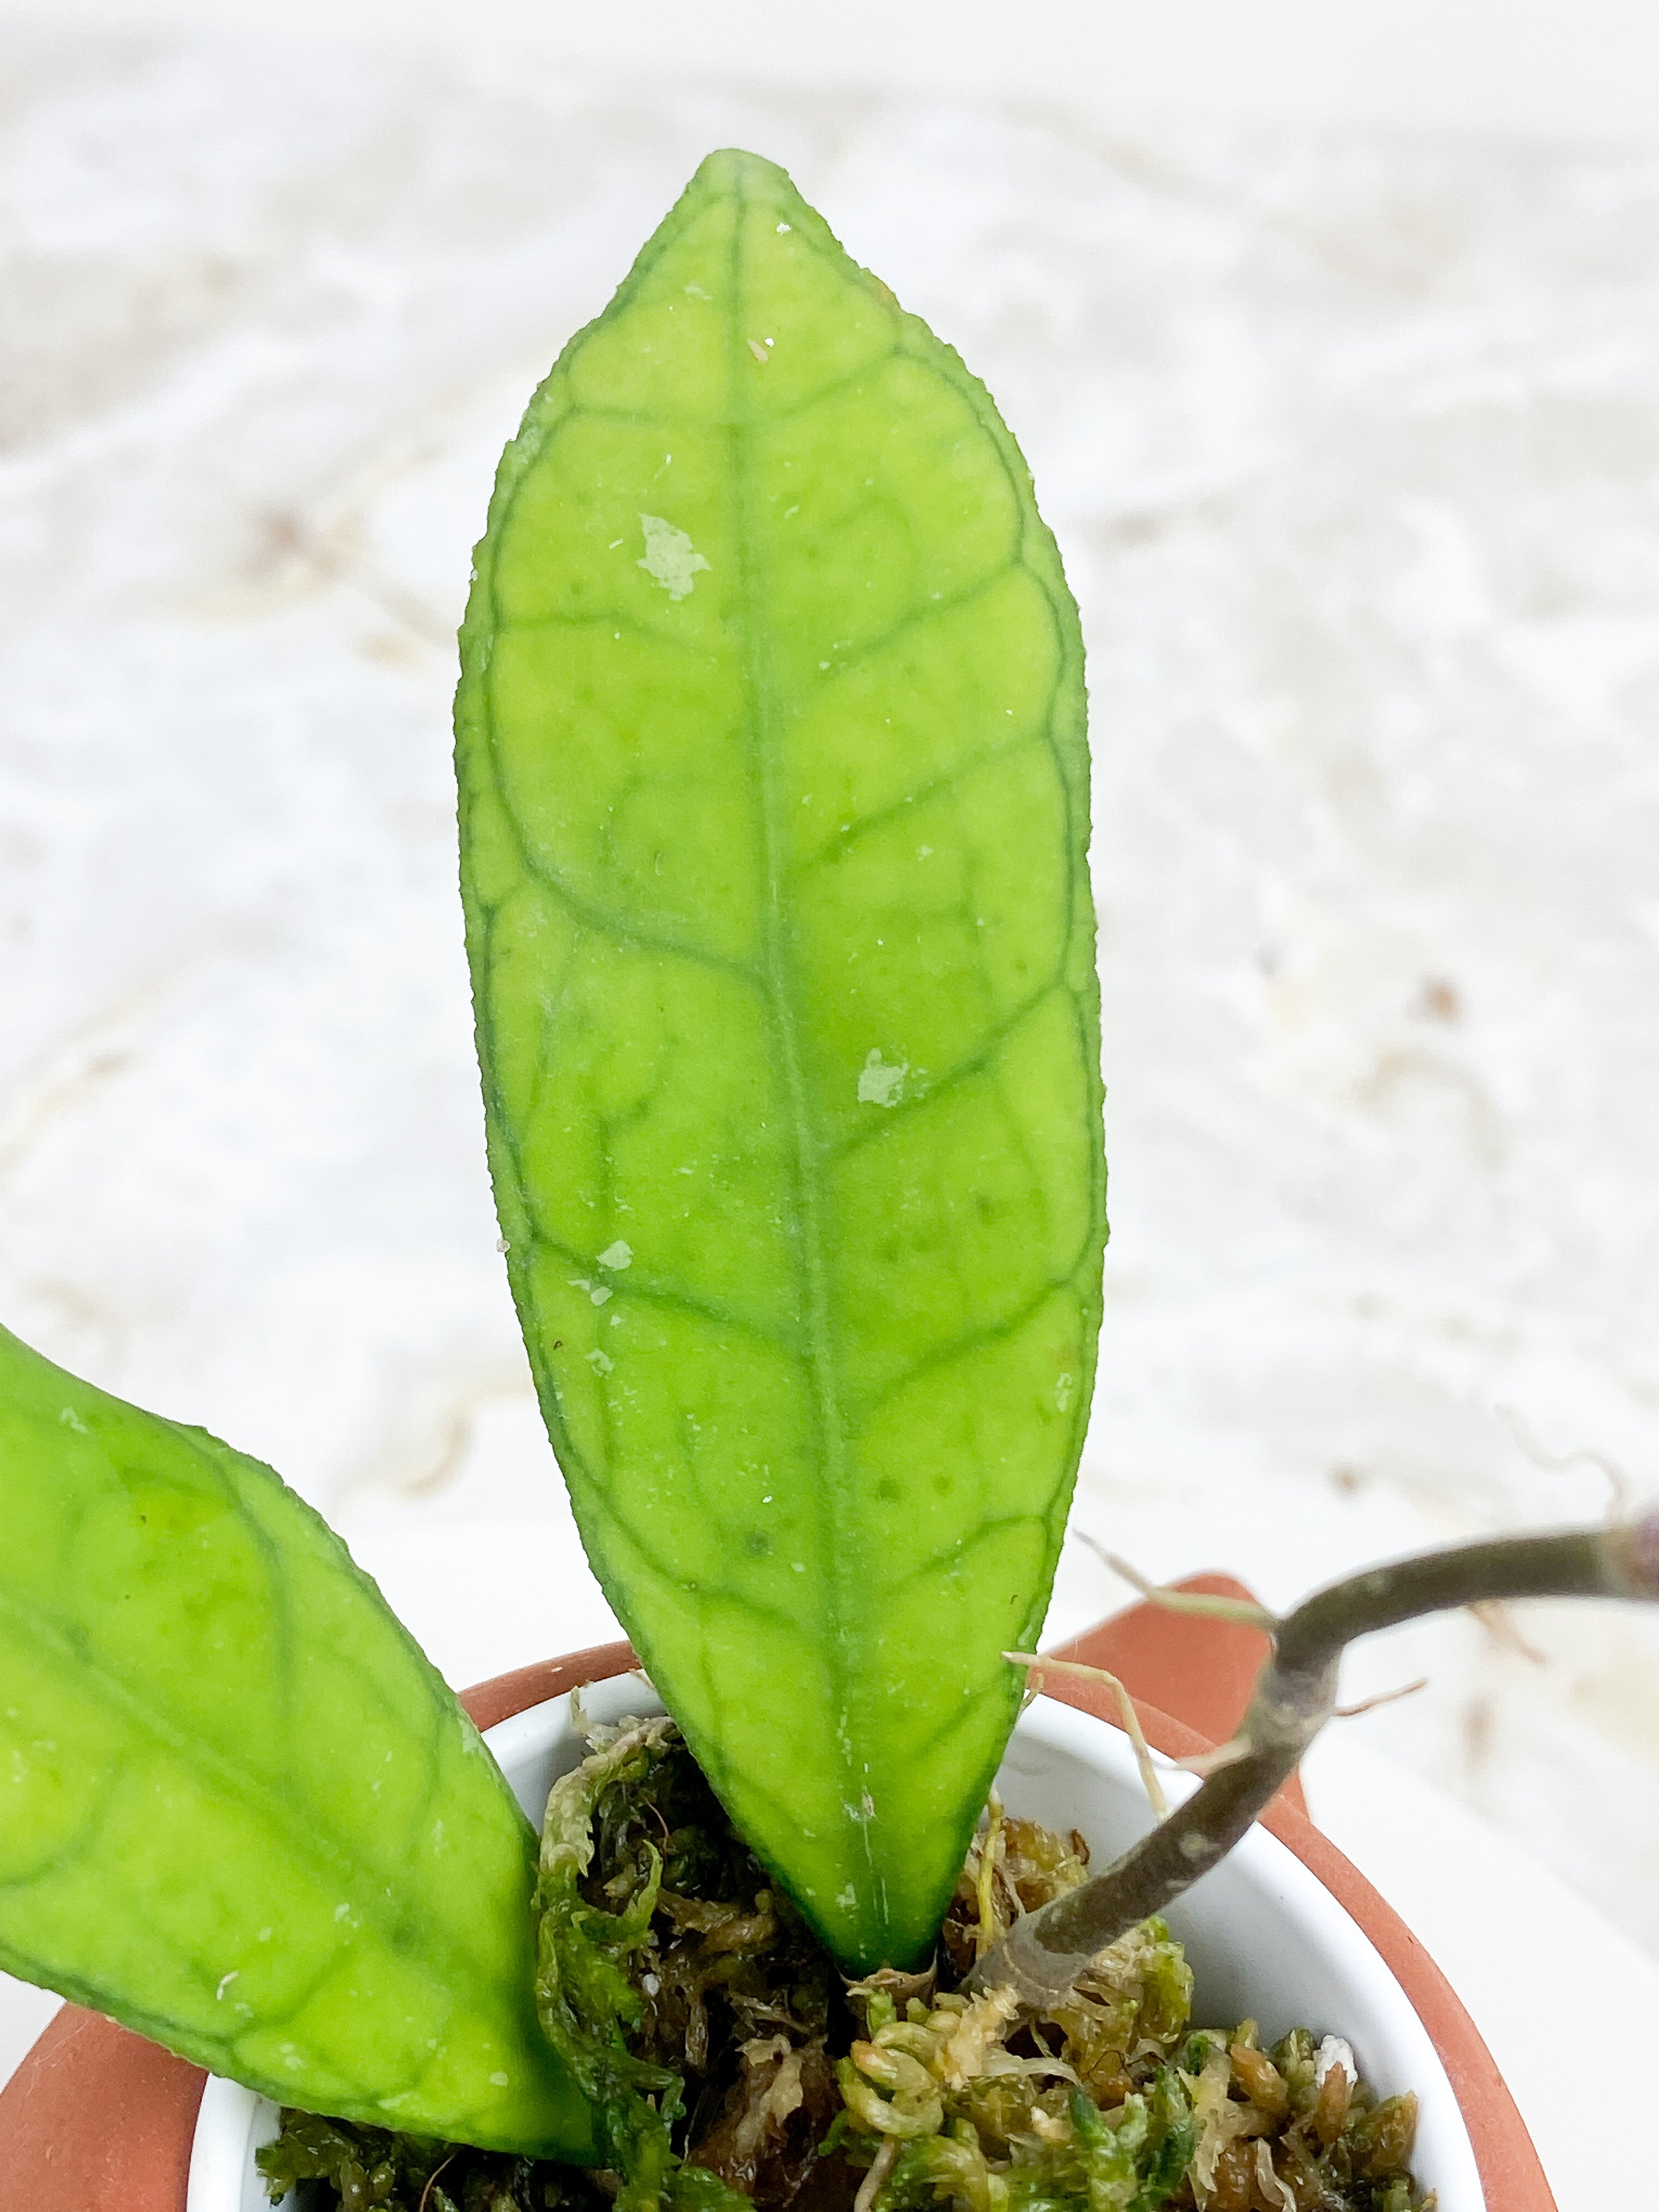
(98, 2120)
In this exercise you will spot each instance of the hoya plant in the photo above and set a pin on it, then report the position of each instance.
(774, 810)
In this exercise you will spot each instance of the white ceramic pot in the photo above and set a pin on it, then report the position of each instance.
(1265, 1938)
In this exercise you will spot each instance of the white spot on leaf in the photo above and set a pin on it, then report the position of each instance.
(617, 1255)
(880, 1085)
(671, 559)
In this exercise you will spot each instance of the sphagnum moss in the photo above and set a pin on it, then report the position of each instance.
(738, 2067)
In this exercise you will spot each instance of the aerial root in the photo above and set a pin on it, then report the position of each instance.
(1244, 1612)
(1039, 1664)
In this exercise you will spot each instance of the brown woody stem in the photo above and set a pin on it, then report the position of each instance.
(1044, 1952)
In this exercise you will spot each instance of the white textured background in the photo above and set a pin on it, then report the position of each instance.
(1352, 447)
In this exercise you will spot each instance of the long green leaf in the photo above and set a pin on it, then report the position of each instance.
(239, 1810)
(774, 793)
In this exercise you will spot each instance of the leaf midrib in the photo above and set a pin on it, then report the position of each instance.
(781, 988)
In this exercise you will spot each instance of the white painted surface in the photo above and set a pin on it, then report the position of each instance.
(1574, 70)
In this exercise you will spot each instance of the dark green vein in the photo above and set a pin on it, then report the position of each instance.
(969, 1341)
(600, 920)
(844, 838)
